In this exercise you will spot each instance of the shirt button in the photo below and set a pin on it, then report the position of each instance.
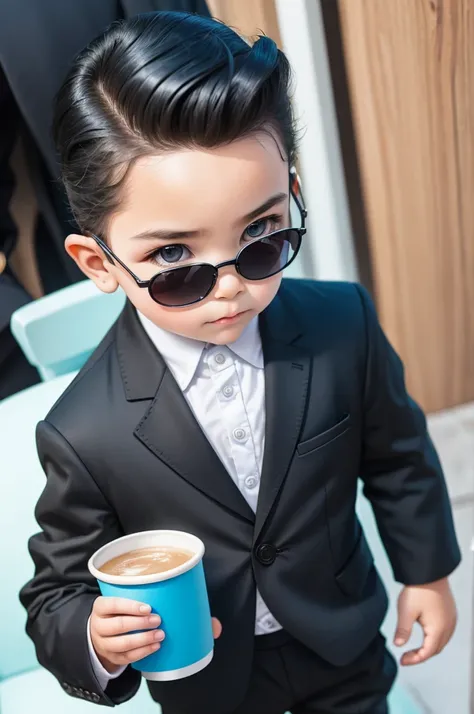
(220, 358)
(228, 391)
(251, 481)
(239, 434)
(269, 623)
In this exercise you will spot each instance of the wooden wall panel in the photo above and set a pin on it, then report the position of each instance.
(410, 65)
(249, 17)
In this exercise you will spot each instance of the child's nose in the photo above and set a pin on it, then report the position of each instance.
(229, 284)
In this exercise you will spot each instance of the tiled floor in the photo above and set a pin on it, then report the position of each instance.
(442, 685)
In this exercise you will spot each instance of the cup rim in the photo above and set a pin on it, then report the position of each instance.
(130, 580)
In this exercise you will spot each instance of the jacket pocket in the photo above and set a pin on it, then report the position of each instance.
(353, 576)
(325, 437)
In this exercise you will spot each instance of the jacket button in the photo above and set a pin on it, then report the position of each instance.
(266, 553)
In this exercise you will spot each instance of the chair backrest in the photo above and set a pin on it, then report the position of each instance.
(21, 482)
(58, 332)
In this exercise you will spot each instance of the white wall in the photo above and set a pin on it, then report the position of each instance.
(328, 252)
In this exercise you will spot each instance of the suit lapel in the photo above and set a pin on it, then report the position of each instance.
(169, 429)
(171, 432)
(287, 373)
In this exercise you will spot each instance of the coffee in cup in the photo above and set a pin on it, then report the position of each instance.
(146, 561)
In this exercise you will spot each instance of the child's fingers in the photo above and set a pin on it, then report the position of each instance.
(411, 657)
(120, 624)
(429, 648)
(216, 628)
(107, 606)
(125, 643)
(402, 635)
(139, 653)
(445, 637)
(406, 619)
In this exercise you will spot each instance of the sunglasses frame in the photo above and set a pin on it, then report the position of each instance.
(295, 191)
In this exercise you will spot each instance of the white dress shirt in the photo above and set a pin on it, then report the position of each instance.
(225, 389)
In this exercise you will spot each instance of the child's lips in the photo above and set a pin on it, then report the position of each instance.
(228, 320)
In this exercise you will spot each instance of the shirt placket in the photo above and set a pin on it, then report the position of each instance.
(231, 402)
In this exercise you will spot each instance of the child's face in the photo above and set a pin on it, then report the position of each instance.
(206, 194)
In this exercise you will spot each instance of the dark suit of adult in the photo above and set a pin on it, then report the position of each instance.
(123, 453)
(38, 41)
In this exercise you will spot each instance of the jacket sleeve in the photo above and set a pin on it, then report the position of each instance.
(75, 520)
(400, 468)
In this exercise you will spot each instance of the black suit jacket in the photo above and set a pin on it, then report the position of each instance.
(123, 453)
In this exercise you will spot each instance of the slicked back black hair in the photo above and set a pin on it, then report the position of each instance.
(159, 82)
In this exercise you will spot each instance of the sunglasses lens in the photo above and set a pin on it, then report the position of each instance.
(182, 286)
(257, 261)
(270, 255)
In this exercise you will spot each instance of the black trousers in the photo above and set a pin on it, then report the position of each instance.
(288, 677)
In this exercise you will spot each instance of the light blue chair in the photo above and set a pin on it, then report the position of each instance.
(25, 688)
(57, 335)
(58, 332)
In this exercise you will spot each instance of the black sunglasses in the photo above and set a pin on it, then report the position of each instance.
(260, 259)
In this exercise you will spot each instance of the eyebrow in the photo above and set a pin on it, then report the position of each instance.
(269, 203)
(167, 235)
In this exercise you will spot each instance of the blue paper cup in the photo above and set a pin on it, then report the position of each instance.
(178, 595)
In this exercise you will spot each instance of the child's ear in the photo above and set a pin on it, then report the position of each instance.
(92, 261)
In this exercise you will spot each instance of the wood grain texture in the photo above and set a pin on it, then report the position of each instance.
(410, 65)
(248, 17)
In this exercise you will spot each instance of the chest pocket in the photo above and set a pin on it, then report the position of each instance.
(343, 425)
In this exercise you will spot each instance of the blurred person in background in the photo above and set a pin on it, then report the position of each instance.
(38, 42)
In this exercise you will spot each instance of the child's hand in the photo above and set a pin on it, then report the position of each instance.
(113, 618)
(433, 606)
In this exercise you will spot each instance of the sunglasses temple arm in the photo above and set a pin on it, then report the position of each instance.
(112, 258)
(299, 199)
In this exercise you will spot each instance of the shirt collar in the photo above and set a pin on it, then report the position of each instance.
(249, 345)
(182, 354)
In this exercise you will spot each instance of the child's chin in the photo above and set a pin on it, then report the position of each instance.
(226, 334)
